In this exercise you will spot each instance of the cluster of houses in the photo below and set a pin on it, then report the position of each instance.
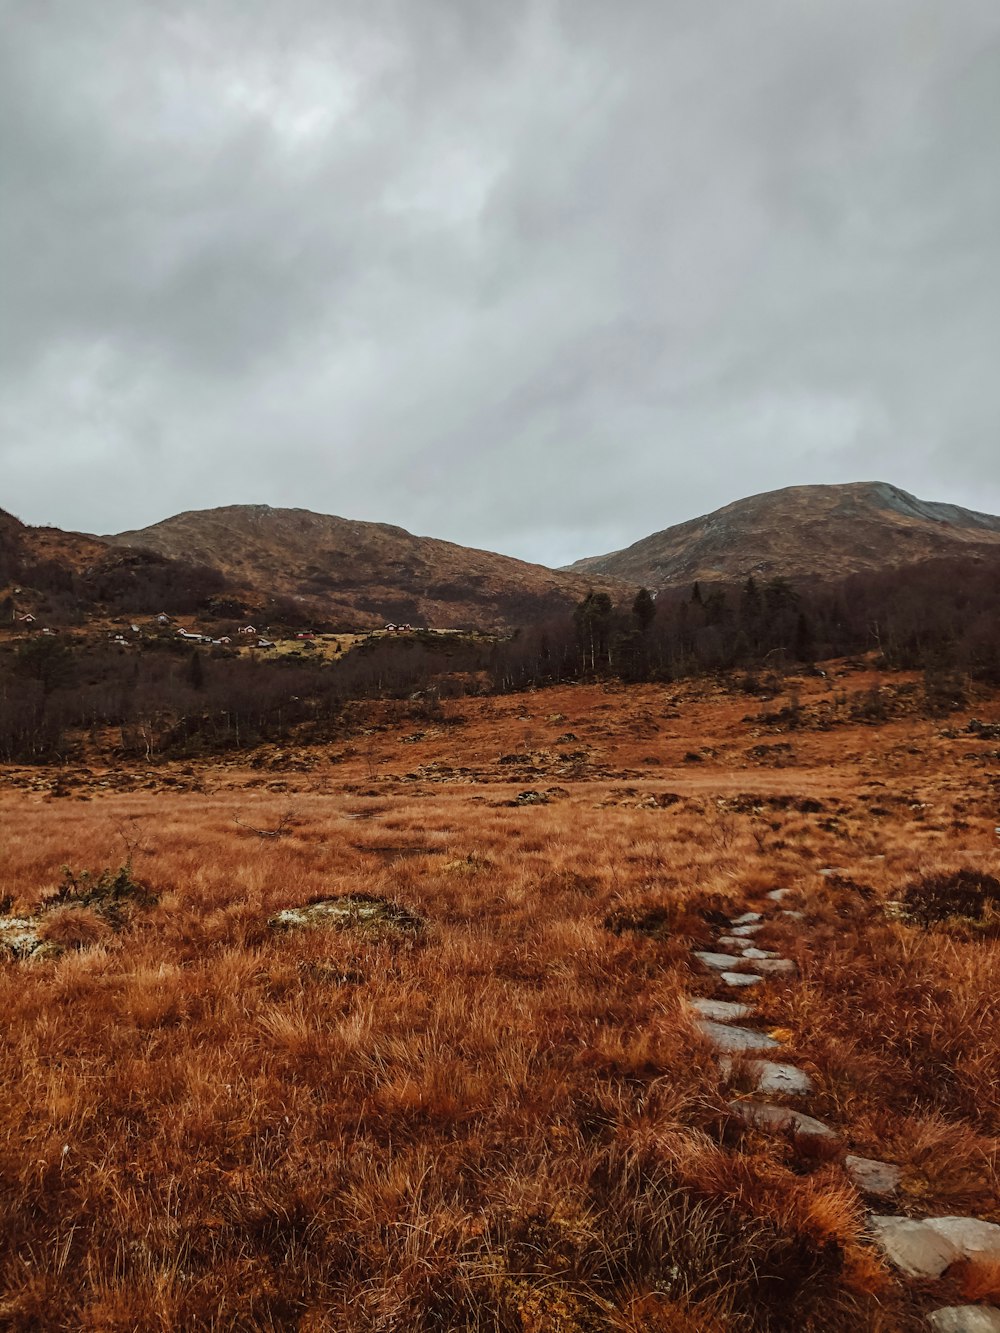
(225, 640)
(28, 621)
(398, 629)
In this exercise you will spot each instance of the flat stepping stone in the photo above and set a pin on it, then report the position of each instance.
(746, 919)
(871, 1176)
(965, 1319)
(776, 895)
(730, 942)
(719, 961)
(721, 1011)
(772, 1078)
(759, 953)
(781, 1119)
(773, 966)
(726, 1038)
(740, 978)
(751, 928)
(792, 914)
(926, 1248)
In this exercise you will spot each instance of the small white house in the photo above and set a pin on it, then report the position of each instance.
(248, 629)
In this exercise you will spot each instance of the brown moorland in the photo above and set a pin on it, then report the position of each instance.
(477, 1100)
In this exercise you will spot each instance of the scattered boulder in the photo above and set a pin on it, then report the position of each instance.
(965, 1319)
(781, 1120)
(359, 911)
(986, 731)
(772, 1078)
(20, 938)
(871, 1176)
(728, 1038)
(924, 1249)
(530, 797)
(84, 908)
(717, 961)
(721, 1011)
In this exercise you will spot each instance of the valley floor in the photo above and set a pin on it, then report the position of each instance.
(473, 1094)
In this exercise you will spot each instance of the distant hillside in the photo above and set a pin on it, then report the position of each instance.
(798, 533)
(69, 576)
(364, 573)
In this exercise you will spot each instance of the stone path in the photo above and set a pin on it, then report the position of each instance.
(920, 1249)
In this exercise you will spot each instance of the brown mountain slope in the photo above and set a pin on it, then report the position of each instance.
(800, 532)
(364, 573)
(62, 577)
(24, 547)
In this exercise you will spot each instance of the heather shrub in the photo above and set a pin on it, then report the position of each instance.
(967, 894)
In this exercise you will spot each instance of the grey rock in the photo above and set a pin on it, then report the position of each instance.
(781, 1119)
(914, 1247)
(772, 1078)
(776, 895)
(722, 1011)
(741, 978)
(792, 914)
(730, 942)
(751, 928)
(871, 1176)
(726, 1038)
(775, 1078)
(718, 961)
(965, 1319)
(746, 918)
(759, 953)
(926, 1248)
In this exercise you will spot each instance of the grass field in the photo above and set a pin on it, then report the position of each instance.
(484, 1105)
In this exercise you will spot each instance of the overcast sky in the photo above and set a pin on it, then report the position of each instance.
(541, 276)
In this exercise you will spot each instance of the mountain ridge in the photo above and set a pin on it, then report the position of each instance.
(297, 565)
(799, 532)
(362, 571)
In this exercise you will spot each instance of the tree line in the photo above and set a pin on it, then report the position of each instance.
(162, 697)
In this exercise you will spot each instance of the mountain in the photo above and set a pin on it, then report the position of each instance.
(800, 532)
(363, 573)
(65, 576)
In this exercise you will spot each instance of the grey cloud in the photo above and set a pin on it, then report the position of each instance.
(541, 277)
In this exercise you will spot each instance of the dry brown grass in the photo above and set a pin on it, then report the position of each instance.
(503, 1121)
